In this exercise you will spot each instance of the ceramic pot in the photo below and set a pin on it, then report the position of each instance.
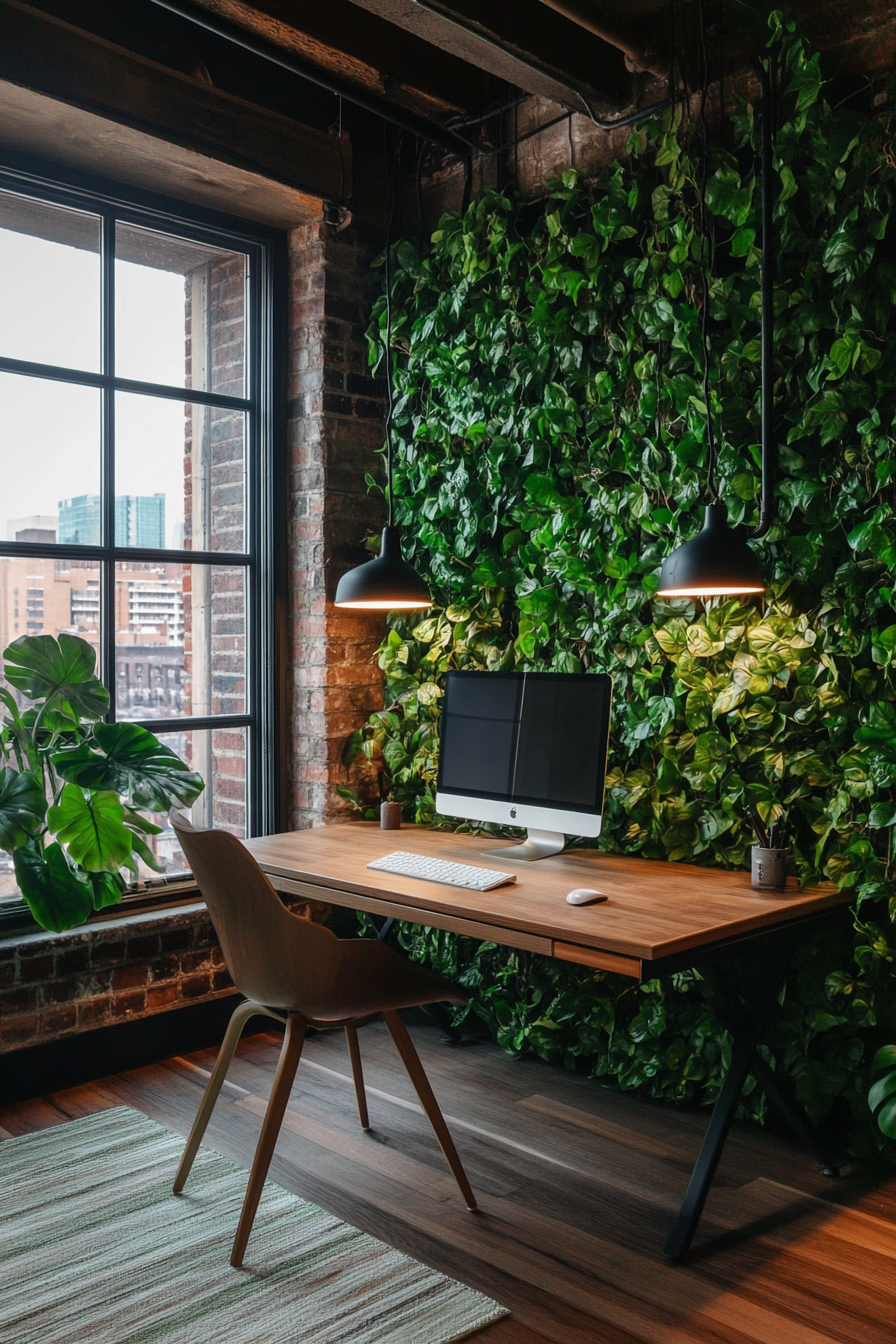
(390, 816)
(769, 870)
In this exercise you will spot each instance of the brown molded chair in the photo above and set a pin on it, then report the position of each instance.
(302, 974)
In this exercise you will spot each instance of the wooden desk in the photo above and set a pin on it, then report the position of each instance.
(660, 917)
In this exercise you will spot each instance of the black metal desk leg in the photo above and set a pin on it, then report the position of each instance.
(747, 1033)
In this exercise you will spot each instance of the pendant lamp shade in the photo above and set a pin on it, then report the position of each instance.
(715, 563)
(385, 584)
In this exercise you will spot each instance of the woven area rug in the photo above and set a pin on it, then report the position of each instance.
(97, 1249)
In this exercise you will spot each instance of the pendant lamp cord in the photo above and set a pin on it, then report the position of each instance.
(706, 266)
(767, 298)
(392, 179)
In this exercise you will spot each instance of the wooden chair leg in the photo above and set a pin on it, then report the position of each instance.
(273, 1118)
(354, 1054)
(235, 1026)
(411, 1060)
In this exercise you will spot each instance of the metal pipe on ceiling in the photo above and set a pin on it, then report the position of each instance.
(440, 10)
(269, 51)
(640, 55)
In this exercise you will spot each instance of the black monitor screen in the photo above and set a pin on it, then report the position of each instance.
(535, 737)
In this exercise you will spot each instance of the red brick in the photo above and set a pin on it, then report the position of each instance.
(126, 1005)
(143, 947)
(72, 961)
(14, 1001)
(58, 1022)
(195, 987)
(109, 954)
(164, 968)
(32, 969)
(19, 1031)
(60, 991)
(175, 939)
(93, 1013)
(195, 961)
(160, 996)
(129, 977)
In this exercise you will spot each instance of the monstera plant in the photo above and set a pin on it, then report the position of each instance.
(72, 787)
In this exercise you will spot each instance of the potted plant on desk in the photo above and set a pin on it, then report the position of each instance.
(72, 788)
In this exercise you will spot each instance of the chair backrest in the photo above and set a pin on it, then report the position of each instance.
(274, 956)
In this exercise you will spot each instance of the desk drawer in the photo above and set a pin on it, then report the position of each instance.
(601, 961)
(469, 928)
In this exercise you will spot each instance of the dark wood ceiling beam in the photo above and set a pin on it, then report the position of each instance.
(519, 41)
(51, 57)
(362, 48)
(409, 119)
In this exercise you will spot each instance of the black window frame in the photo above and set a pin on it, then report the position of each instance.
(264, 559)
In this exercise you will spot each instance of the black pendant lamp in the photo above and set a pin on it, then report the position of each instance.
(718, 562)
(387, 583)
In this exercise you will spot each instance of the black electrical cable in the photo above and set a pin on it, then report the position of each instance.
(419, 188)
(706, 263)
(392, 180)
(767, 307)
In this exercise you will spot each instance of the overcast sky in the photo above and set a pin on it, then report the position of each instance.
(50, 432)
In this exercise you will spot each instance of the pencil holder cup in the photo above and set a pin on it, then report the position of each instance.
(769, 872)
(390, 816)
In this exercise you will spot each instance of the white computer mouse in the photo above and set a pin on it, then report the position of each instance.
(585, 896)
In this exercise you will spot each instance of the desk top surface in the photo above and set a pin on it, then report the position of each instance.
(654, 909)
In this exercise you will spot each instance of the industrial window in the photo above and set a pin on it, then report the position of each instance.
(136, 384)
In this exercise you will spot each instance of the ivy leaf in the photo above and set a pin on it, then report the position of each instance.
(741, 241)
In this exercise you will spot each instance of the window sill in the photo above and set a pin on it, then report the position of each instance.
(17, 923)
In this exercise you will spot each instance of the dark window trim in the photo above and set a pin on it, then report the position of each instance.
(266, 652)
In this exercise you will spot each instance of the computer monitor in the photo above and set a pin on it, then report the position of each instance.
(526, 749)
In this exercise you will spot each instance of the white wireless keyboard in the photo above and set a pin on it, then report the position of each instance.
(440, 870)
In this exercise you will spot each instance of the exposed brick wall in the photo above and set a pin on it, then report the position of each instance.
(335, 428)
(214, 520)
(54, 985)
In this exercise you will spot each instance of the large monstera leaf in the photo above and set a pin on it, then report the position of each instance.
(91, 826)
(133, 763)
(59, 898)
(22, 808)
(61, 672)
(882, 1097)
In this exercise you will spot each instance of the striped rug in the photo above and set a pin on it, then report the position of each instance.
(97, 1250)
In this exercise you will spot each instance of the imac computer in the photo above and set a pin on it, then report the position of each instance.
(526, 749)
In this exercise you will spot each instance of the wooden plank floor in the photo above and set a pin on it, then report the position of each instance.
(578, 1186)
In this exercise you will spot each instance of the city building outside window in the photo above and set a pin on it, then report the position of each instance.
(139, 466)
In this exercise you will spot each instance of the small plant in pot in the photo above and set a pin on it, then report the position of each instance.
(73, 788)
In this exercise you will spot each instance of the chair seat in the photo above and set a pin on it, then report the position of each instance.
(372, 979)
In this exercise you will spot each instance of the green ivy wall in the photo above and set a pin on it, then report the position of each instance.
(550, 452)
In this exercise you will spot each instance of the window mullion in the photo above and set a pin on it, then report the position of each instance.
(107, 511)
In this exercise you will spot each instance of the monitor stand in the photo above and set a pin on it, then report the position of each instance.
(539, 845)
